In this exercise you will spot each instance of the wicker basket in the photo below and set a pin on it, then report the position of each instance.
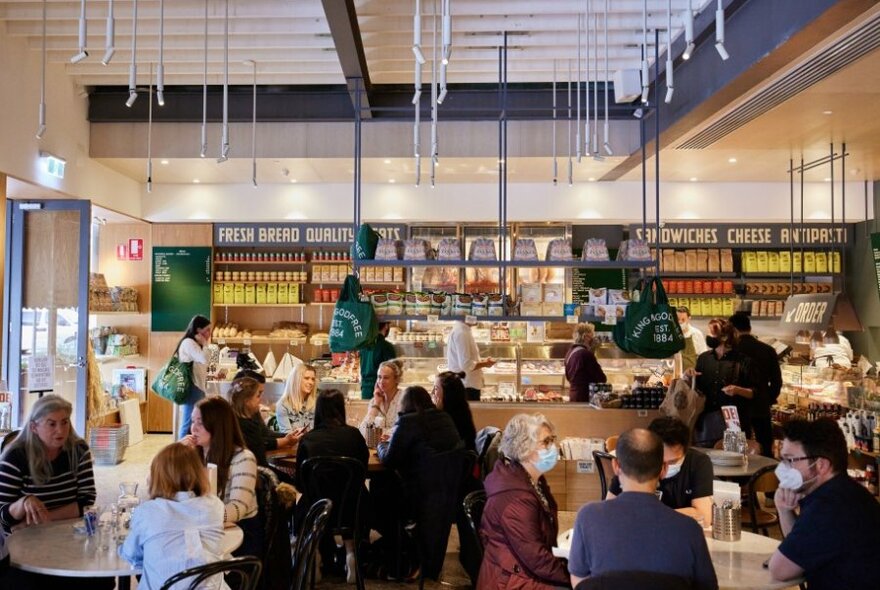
(108, 443)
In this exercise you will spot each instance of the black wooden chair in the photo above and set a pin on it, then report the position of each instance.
(306, 545)
(245, 571)
(635, 580)
(8, 438)
(341, 480)
(473, 506)
(275, 518)
(602, 461)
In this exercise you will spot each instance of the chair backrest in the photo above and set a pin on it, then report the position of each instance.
(7, 439)
(473, 505)
(753, 447)
(635, 580)
(242, 570)
(339, 479)
(611, 443)
(307, 543)
(602, 461)
(275, 518)
(487, 442)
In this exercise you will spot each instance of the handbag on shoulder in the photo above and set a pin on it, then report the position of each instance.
(174, 380)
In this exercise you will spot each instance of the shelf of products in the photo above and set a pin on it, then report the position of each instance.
(612, 264)
(260, 305)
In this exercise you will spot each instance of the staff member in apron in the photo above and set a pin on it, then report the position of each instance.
(694, 341)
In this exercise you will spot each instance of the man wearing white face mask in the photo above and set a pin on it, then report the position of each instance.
(687, 483)
(838, 530)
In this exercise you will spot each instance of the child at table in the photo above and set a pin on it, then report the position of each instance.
(181, 526)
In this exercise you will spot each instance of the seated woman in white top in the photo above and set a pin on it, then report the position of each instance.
(296, 408)
(216, 432)
(385, 405)
(181, 526)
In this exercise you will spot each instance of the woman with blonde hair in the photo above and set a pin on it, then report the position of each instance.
(259, 438)
(296, 408)
(181, 525)
(384, 408)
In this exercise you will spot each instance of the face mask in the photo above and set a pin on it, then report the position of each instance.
(790, 478)
(712, 342)
(546, 459)
(672, 470)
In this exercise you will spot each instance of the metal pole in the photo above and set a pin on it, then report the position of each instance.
(791, 225)
(357, 155)
(657, 144)
(842, 217)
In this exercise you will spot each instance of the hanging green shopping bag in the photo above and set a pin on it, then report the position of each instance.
(174, 380)
(364, 247)
(354, 323)
(651, 325)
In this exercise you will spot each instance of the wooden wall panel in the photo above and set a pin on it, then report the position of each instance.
(51, 263)
(2, 257)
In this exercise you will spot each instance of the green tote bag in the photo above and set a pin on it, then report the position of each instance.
(174, 380)
(650, 327)
(354, 323)
(364, 247)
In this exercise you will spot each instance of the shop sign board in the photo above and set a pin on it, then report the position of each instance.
(875, 250)
(808, 312)
(297, 234)
(181, 286)
(745, 235)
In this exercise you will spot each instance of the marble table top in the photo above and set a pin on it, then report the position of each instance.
(56, 549)
(739, 565)
(755, 462)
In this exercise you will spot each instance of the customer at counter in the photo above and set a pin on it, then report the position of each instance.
(686, 483)
(244, 396)
(724, 377)
(837, 534)
(296, 408)
(694, 340)
(384, 408)
(372, 357)
(463, 356)
(767, 379)
(635, 533)
(422, 432)
(520, 521)
(581, 366)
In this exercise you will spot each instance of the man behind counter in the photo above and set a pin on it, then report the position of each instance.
(373, 356)
(686, 485)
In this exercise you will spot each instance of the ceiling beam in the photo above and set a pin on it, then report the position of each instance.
(343, 22)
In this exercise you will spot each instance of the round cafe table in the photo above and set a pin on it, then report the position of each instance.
(54, 549)
(738, 472)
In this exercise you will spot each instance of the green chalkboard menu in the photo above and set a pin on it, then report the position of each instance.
(181, 286)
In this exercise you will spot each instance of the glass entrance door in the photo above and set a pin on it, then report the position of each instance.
(46, 311)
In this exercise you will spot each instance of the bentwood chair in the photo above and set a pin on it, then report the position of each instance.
(635, 581)
(341, 480)
(611, 442)
(602, 461)
(306, 545)
(764, 480)
(243, 572)
(473, 506)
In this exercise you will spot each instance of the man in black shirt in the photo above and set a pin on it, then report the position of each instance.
(766, 376)
(837, 535)
(686, 485)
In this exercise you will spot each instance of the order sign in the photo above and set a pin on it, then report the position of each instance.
(40, 373)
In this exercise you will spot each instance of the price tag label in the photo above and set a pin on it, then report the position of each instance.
(470, 319)
(221, 342)
(433, 319)
(610, 319)
(585, 467)
(247, 341)
(294, 342)
(642, 413)
(571, 319)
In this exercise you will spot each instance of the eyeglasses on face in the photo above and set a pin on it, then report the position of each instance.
(790, 461)
(546, 442)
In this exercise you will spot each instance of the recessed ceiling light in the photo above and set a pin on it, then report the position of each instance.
(826, 179)
(731, 160)
(387, 161)
(293, 180)
(693, 179)
(592, 179)
(196, 181)
(827, 112)
(164, 162)
(391, 180)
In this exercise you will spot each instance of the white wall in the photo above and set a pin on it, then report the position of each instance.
(67, 135)
(599, 202)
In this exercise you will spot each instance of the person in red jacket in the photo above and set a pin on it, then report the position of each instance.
(581, 366)
(519, 524)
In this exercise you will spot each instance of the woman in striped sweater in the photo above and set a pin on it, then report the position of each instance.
(216, 433)
(46, 473)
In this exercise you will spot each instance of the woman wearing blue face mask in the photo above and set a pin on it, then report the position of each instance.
(519, 525)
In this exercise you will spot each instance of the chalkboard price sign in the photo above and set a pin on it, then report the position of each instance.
(181, 287)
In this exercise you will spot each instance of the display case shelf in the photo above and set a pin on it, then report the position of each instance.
(259, 305)
(698, 275)
(785, 275)
(610, 264)
(263, 262)
(703, 295)
(264, 282)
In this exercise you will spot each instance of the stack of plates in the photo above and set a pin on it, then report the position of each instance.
(725, 458)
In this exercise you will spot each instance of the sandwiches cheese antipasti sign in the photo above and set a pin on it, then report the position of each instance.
(745, 235)
(808, 312)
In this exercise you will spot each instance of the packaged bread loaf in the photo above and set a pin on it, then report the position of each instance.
(482, 249)
(560, 249)
(691, 261)
(773, 262)
(449, 249)
(680, 261)
(797, 261)
(834, 264)
(749, 261)
(713, 261)
(667, 260)
(809, 262)
(415, 249)
(762, 259)
(595, 249)
(524, 249)
(726, 260)
(821, 262)
(728, 307)
(388, 249)
(702, 260)
(785, 261)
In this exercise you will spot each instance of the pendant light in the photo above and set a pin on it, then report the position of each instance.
(670, 90)
(160, 72)
(417, 87)
(719, 32)
(597, 155)
(253, 63)
(224, 139)
(587, 78)
(110, 41)
(203, 140)
(132, 69)
(570, 164)
(434, 148)
(555, 162)
(577, 125)
(446, 49)
(41, 126)
(689, 32)
(150, 132)
(82, 35)
(606, 140)
(417, 34)
(646, 84)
